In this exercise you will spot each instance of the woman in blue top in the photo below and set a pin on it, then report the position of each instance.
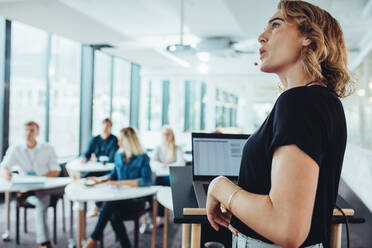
(132, 168)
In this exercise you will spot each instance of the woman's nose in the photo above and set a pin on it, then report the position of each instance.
(262, 38)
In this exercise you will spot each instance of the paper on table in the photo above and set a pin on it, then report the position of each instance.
(28, 180)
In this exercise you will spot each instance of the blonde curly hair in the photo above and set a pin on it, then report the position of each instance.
(326, 57)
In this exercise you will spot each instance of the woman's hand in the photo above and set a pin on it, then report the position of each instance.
(115, 183)
(95, 180)
(217, 213)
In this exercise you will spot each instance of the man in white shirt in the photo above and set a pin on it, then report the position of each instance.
(33, 158)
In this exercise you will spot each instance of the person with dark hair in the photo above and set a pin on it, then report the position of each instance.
(101, 148)
(103, 145)
(33, 158)
(291, 166)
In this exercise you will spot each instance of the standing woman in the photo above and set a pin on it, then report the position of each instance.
(291, 166)
(132, 168)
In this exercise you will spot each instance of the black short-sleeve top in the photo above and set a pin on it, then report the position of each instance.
(313, 119)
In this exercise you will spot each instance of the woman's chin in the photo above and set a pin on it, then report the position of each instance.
(266, 68)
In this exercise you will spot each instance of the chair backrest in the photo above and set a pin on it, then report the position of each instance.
(153, 177)
(64, 172)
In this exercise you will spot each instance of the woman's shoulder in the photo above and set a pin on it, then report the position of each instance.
(305, 97)
(143, 156)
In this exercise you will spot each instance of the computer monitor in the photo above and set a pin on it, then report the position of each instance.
(217, 154)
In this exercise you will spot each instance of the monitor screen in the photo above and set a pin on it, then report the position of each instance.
(217, 156)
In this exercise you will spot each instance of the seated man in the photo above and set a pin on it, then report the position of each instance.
(103, 145)
(100, 146)
(34, 158)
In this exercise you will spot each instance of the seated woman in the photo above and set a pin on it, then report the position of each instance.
(165, 155)
(168, 154)
(132, 168)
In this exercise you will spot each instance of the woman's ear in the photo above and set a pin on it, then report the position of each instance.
(306, 41)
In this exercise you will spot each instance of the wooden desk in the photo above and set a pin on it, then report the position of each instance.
(186, 211)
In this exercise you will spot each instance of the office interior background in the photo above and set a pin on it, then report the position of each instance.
(68, 64)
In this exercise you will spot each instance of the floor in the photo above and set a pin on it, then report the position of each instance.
(360, 235)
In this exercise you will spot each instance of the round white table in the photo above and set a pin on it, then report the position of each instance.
(8, 187)
(80, 193)
(159, 171)
(164, 197)
(48, 183)
(77, 166)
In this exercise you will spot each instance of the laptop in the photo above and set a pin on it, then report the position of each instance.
(215, 155)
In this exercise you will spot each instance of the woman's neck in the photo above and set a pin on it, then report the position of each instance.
(294, 77)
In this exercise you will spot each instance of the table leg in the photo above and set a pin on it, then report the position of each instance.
(154, 215)
(71, 242)
(80, 226)
(6, 234)
(185, 235)
(165, 231)
(336, 235)
(85, 218)
(195, 235)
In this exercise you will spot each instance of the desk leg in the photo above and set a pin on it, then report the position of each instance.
(165, 231)
(336, 235)
(195, 235)
(185, 235)
(154, 215)
(80, 226)
(6, 234)
(71, 242)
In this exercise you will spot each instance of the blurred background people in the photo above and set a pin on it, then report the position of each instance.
(132, 168)
(36, 159)
(103, 146)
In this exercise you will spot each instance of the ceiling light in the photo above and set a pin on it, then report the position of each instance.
(361, 92)
(203, 56)
(370, 85)
(370, 99)
(203, 68)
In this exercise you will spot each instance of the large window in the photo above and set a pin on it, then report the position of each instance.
(27, 80)
(154, 99)
(195, 106)
(226, 109)
(64, 74)
(176, 105)
(121, 95)
(102, 90)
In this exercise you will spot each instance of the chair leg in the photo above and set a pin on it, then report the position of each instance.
(25, 220)
(17, 225)
(63, 215)
(55, 225)
(136, 232)
(71, 220)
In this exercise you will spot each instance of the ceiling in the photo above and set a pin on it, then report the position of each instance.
(140, 30)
